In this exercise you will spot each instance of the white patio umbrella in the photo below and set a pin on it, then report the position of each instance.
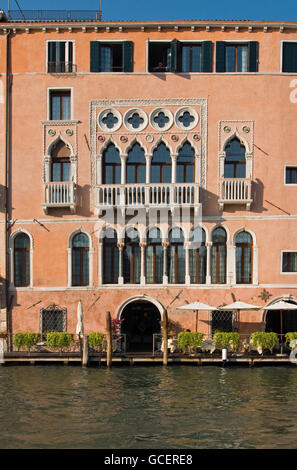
(80, 325)
(281, 305)
(196, 306)
(238, 306)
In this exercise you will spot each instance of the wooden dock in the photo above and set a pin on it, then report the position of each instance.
(33, 358)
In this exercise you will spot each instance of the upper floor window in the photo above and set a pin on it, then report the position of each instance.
(136, 165)
(154, 257)
(80, 260)
(291, 175)
(110, 257)
(289, 262)
(21, 260)
(176, 257)
(177, 56)
(161, 165)
(218, 259)
(60, 105)
(289, 57)
(111, 165)
(111, 56)
(185, 164)
(244, 258)
(60, 163)
(232, 57)
(131, 257)
(198, 256)
(235, 163)
(60, 57)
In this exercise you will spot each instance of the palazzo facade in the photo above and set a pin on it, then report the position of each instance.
(146, 165)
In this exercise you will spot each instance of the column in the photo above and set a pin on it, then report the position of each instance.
(174, 162)
(187, 255)
(100, 263)
(121, 277)
(231, 264)
(165, 245)
(99, 169)
(123, 168)
(148, 158)
(208, 261)
(142, 264)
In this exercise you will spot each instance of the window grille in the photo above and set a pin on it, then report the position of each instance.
(52, 318)
(222, 321)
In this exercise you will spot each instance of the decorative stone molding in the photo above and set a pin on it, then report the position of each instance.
(168, 117)
(117, 116)
(193, 115)
(129, 115)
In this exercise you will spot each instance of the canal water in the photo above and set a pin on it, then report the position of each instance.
(177, 407)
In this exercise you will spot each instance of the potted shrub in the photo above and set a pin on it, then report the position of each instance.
(59, 340)
(96, 340)
(263, 340)
(26, 340)
(228, 340)
(189, 341)
(291, 339)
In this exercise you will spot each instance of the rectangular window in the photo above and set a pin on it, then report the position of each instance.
(289, 64)
(111, 56)
(289, 262)
(222, 321)
(60, 57)
(179, 57)
(291, 175)
(232, 57)
(52, 319)
(60, 105)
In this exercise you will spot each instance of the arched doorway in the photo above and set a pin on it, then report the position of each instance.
(289, 319)
(141, 321)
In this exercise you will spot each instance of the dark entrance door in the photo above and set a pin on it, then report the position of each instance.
(141, 321)
(289, 321)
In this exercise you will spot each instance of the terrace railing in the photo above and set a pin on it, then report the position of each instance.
(235, 191)
(59, 194)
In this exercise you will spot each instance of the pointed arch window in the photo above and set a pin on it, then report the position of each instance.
(22, 260)
(244, 258)
(235, 162)
(111, 165)
(110, 257)
(219, 256)
(161, 165)
(60, 162)
(154, 257)
(197, 256)
(176, 257)
(185, 164)
(80, 260)
(135, 167)
(131, 257)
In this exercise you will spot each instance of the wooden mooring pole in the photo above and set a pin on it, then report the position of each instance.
(85, 351)
(108, 340)
(165, 338)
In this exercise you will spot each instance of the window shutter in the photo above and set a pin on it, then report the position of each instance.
(207, 56)
(220, 56)
(173, 60)
(51, 51)
(128, 56)
(95, 56)
(289, 57)
(253, 56)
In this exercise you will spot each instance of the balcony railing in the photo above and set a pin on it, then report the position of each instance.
(58, 194)
(235, 191)
(61, 67)
(147, 195)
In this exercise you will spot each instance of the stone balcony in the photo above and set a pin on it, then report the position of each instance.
(235, 191)
(147, 195)
(59, 195)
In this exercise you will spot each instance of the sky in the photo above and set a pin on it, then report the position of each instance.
(274, 10)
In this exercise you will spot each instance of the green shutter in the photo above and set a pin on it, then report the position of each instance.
(289, 57)
(206, 56)
(253, 56)
(173, 56)
(95, 56)
(220, 56)
(127, 56)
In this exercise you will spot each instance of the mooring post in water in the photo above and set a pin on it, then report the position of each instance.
(165, 338)
(224, 356)
(85, 351)
(108, 340)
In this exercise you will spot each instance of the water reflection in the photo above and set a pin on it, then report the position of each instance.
(147, 407)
